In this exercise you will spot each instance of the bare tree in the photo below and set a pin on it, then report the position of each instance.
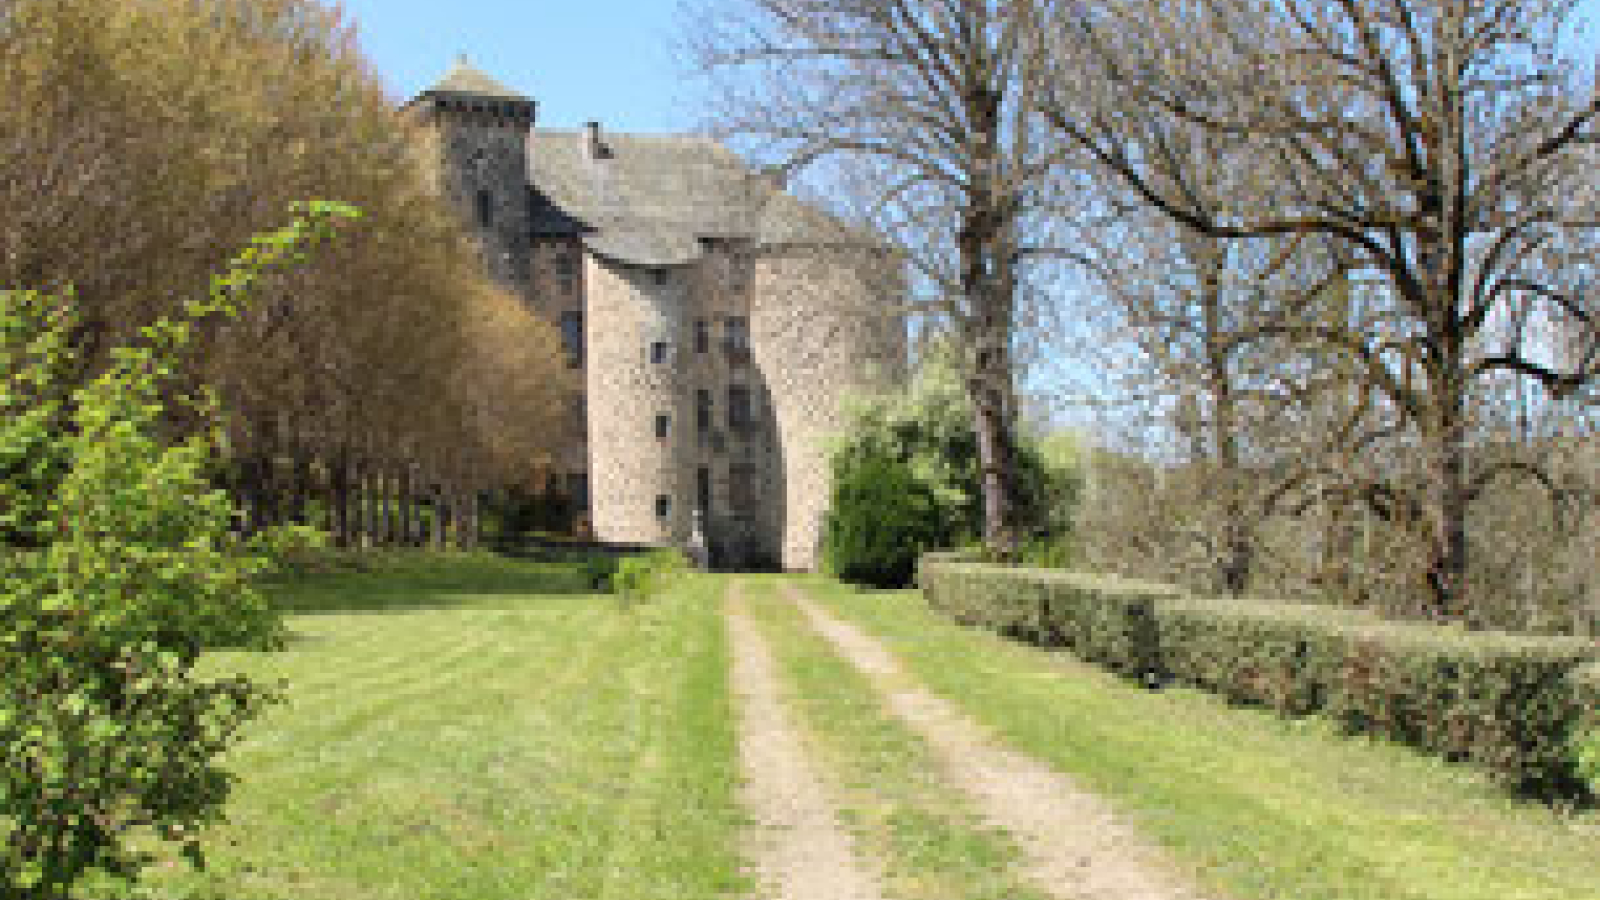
(1442, 143)
(926, 105)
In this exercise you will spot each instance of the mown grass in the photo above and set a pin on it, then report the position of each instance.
(928, 840)
(481, 729)
(1263, 807)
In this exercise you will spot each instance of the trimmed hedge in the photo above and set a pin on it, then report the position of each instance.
(1518, 706)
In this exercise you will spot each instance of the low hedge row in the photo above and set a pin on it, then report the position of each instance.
(1516, 705)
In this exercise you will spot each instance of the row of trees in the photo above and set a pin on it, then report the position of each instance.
(143, 141)
(1343, 237)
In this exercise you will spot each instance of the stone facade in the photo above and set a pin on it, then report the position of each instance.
(718, 320)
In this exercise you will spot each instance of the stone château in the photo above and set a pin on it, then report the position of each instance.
(717, 319)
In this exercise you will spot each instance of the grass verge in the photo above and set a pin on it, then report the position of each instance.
(931, 845)
(479, 729)
(1264, 807)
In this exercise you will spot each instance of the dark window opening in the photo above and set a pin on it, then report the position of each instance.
(659, 276)
(663, 506)
(702, 411)
(736, 340)
(702, 336)
(572, 337)
(658, 352)
(738, 407)
(741, 488)
(485, 209)
(702, 488)
(663, 421)
(578, 491)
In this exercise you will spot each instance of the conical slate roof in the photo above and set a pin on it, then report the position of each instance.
(465, 78)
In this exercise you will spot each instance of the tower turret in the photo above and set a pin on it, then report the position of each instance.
(483, 138)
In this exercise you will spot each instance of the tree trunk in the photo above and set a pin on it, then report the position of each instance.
(1237, 556)
(339, 500)
(386, 533)
(407, 504)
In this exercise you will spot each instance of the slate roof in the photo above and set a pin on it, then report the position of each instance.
(465, 78)
(649, 199)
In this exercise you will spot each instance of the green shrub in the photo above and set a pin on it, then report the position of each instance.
(642, 577)
(880, 519)
(1585, 681)
(118, 574)
(1510, 704)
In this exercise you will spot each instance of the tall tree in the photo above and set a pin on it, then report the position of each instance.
(927, 103)
(1443, 143)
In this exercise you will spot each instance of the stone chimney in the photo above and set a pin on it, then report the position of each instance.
(593, 148)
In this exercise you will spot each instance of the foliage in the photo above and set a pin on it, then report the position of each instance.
(646, 575)
(127, 576)
(150, 139)
(881, 516)
(927, 428)
(1507, 703)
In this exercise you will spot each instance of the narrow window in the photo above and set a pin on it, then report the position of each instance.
(702, 411)
(702, 336)
(485, 209)
(663, 506)
(702, 489)
(662, 422)
(578, 491)
(572, 337)
(659, 276)
(741, 487)
(738, 407)
(658, 352)
(738, 336)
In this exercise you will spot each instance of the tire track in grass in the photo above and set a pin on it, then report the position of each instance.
(1074, 845)
(801, 850)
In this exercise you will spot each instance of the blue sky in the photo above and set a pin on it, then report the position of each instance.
(610, 60)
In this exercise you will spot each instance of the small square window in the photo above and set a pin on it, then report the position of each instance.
(663, 421)
(663, 506)
(659, 276)
(658, 352)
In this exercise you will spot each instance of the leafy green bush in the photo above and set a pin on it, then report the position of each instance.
(116, 572)
(928, 428)
(880, 518)
(642, 577)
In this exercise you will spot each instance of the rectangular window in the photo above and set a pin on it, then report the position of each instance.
(702, 411)
(663, 506)
(662, 422)
(702, 489)
(485, 209)
(659, 276)
(738, 407)
(738, 334)
(658, 352)
(566, 262)
(741, 488)
(572, 337)
(702, 336)
(578, 491)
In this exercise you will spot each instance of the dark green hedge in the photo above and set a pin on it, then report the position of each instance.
(1509, 703)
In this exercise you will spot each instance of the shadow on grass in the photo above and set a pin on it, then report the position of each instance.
(428, 584)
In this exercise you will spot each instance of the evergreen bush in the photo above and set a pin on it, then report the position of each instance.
(880, 519)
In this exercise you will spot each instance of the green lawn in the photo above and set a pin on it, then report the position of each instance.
(477, 731)
(1269, 808)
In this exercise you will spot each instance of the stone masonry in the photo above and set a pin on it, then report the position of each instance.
(718, 320)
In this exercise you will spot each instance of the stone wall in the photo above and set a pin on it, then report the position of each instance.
(628, 465)
(818, 336)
